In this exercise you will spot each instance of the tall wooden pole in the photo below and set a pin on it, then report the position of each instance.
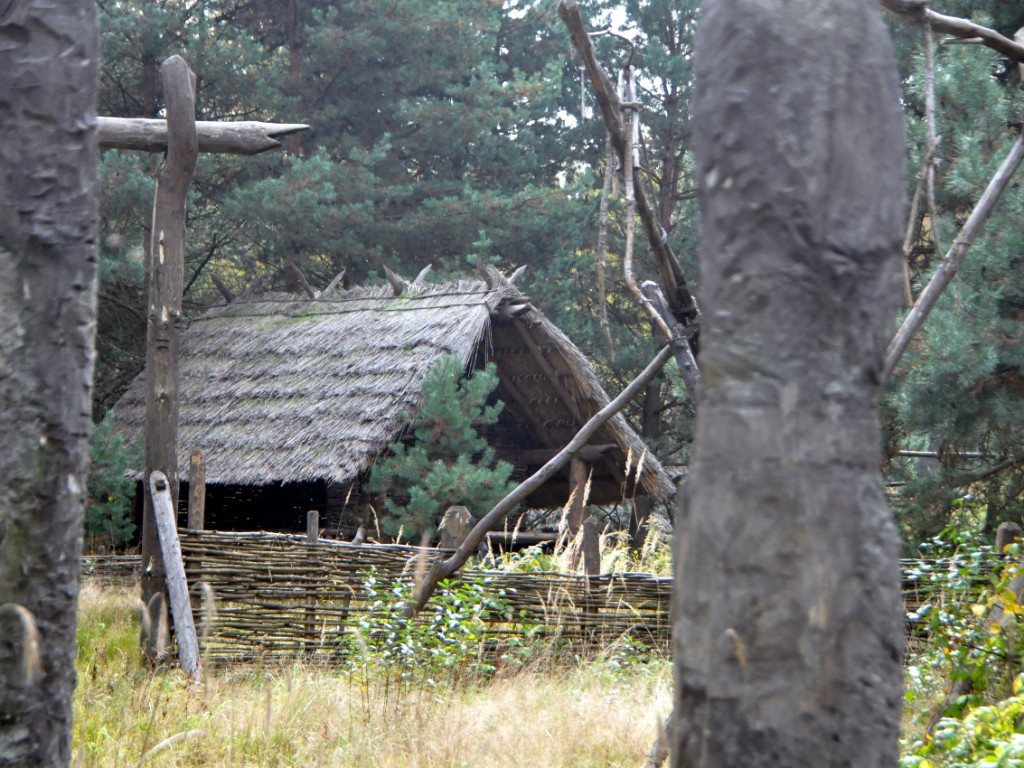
(165, 267)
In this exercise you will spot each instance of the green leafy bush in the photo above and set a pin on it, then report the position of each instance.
(449, 463)
(448, 635)
(988, 736)
(109, 493)
(962, 583)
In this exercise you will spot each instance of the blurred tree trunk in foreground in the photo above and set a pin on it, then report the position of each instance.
(789, 624)
(48, 187)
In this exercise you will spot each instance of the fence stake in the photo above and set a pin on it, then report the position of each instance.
(196, 492)
(312, 537)
(177, 587)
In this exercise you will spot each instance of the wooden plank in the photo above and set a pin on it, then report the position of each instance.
(177, 587)
(591, 548)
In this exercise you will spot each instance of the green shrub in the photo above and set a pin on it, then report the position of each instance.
(987, 736)
(962, 583)
(448, 635)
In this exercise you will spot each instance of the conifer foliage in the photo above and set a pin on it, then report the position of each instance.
(958, 393)
(449, 462)
(108, 491)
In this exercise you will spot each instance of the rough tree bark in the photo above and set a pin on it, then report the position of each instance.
(48, 188)
(788, 628)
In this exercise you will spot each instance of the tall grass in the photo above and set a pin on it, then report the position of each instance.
(603, 713)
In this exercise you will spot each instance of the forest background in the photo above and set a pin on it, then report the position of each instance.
(462, 132)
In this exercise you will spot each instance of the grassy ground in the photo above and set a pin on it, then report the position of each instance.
(599, 714)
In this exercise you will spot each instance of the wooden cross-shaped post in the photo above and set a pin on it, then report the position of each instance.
(182, 138)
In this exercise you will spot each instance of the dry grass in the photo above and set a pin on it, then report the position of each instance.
(600, 714)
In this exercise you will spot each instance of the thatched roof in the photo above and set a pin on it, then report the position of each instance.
(284, 388)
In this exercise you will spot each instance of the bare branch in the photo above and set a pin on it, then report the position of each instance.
(961, 29)
(951, 263)
(442, 570)
(682, 302)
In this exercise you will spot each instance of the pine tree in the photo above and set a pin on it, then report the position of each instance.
(438, 135)
(108, 492)
(449, 463)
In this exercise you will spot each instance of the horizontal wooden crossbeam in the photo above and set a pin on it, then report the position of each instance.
(150, 135)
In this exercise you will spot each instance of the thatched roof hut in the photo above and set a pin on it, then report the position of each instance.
(284, 389)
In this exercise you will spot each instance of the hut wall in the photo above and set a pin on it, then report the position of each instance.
(275, 507)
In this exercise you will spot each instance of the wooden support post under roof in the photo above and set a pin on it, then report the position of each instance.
(578, 476)
(616, 471)
(196, 507)
(591, 548)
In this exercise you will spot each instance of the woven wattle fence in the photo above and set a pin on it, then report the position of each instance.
(111, 569)
(278, 596)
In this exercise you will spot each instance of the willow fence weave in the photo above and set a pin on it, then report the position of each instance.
(267, 596)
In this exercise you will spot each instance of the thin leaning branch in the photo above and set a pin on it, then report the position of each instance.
(933, 139)
(961, 30)
(951, 263)
(630, 106)
(443, 569)
(602, 244)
